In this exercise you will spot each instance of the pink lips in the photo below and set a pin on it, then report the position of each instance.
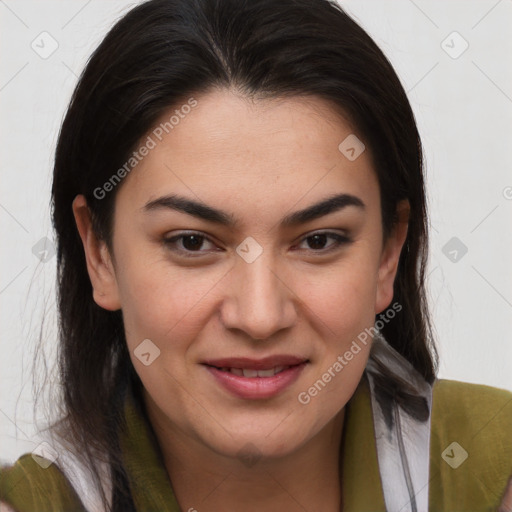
(252, 386)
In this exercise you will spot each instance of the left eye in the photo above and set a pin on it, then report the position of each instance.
(192, 242)
(319, 239)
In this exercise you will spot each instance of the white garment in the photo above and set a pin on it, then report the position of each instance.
(403, 441)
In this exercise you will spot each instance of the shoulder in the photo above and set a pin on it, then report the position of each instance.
(471, 439)
(465, 392)
(29, 485)
(475, 413)
(473, 406)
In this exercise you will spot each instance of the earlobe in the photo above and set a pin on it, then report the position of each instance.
(390, 258)
(99, 263)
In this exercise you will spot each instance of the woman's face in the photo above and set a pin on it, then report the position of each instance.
(253, 282)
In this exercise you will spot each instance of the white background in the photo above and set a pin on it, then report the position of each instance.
(463, 107)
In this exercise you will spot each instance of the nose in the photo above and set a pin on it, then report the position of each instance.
(260, 300)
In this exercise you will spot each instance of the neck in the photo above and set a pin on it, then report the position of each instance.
(204, 480)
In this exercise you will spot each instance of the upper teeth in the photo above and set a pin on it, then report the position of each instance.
(255, 373)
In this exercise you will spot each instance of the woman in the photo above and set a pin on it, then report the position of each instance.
(214, 354)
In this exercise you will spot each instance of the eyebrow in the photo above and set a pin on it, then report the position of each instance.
(203, 211)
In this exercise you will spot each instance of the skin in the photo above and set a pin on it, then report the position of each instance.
(506, 501)
(259, 160)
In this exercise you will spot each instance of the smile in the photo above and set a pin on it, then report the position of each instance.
(245, 372)
(251, 384)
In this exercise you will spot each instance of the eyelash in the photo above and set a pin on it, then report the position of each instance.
(340, 240)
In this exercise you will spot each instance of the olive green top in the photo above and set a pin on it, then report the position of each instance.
(477, 417)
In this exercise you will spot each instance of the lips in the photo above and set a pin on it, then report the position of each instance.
(256, 379)
(246, 372)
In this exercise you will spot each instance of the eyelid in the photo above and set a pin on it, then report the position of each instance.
(340, 240)
(168, 241)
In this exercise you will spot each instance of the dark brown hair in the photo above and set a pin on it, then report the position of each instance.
(161, 52)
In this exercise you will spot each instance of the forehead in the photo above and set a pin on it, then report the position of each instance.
(231, 150)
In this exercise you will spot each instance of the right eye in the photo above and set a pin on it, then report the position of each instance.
(190, 242)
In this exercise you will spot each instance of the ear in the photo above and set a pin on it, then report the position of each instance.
(390, 257)
(99, 263)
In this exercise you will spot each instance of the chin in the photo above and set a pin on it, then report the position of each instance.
(260, 443)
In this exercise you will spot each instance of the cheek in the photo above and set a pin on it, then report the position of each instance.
(344, 306)
(345, 296)
(166, 308)
(161, 301)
